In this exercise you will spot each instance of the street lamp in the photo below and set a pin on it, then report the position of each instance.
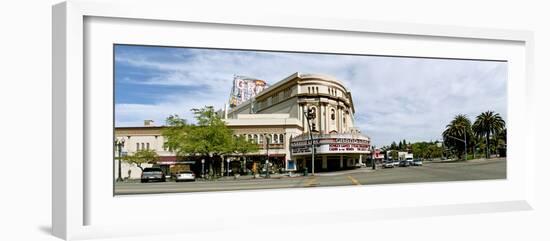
(228, 161)
(202, 171)
(267, 153)
(309, 114)
(119, 143)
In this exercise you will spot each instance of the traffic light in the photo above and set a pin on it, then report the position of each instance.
(311, 113)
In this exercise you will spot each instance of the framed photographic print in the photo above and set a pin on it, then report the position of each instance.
(227, 115)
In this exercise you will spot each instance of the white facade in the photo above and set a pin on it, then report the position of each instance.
(279, 111)
(138, 138)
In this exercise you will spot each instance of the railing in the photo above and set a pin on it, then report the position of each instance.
(272, 146)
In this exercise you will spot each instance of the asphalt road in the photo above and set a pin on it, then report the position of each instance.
(430, 172)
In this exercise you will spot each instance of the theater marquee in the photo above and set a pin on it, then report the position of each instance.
(331, 146)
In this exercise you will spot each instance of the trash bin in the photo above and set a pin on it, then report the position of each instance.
(305, 171)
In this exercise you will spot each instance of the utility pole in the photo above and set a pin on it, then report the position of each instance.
(465, 144)
(309, 114)
(372, 158)
(267, 153)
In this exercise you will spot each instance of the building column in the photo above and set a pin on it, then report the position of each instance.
(322, 114)
(341, 161)
(340, 116)
(326, 118)
(304, 121)
(324, 163)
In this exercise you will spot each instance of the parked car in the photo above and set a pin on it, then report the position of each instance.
(152, 174)
(388, 164)
(417, 162)
(184, 176)
(396, 163)
(409, 160)
(404, 163)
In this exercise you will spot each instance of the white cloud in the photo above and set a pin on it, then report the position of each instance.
(395, 98)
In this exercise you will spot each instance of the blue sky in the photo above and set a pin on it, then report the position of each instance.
(395, 97)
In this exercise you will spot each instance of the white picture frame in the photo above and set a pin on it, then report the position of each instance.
(72, 192)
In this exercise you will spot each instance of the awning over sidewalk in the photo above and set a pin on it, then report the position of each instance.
(172, 160)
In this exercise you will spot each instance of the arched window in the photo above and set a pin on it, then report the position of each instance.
(255, 140)
(332, 114)
(143, 146)
(137, 146)
(261, 140)
(147, 145)
(275, 138)
(281, 138)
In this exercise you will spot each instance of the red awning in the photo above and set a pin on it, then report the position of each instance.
(167, 160)
(276, 155)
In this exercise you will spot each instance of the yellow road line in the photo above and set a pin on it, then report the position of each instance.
(354, 181)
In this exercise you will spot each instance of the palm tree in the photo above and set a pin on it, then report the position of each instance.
(458, 129)
(488, 124)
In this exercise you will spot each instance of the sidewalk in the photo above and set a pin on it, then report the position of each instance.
(346, 172)
(470, 160)
(261, 177)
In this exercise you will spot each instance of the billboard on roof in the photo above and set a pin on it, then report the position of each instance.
(245, 88)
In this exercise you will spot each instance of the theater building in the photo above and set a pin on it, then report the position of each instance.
(277, 114)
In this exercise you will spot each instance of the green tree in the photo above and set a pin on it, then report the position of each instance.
(176, 135)
(434, 151)
(457, 130)
(209, 138)
(144, 156)
(394, 155)
(393, 146)
(488, 124)
(242, 146)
